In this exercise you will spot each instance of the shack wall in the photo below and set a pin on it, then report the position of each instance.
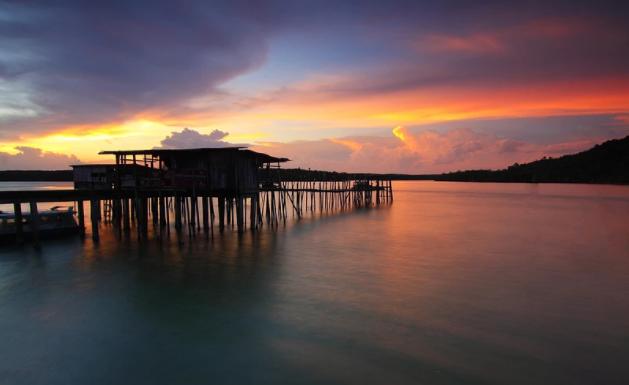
(93, 177)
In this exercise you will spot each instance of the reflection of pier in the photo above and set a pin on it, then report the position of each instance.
(198, 188)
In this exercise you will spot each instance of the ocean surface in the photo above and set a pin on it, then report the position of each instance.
(454, 283)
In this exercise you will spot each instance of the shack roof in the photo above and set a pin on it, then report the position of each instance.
(104, 165)
(197, 152)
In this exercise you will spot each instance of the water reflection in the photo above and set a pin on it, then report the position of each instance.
(453, 283)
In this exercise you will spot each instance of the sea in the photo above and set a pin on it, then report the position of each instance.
(452, 283)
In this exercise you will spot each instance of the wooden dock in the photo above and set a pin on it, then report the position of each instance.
(196, 211)
(198, 190)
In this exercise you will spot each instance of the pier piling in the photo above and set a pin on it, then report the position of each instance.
(34, 222)
(81, 217)
(94, 213)
(19, 222)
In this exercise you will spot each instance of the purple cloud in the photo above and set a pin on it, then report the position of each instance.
(188, 138)
(31, 158)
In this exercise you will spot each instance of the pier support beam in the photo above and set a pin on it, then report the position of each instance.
(19, 232)
(221, 213)
(116, 213)
(94, 214)
(162, 211)
(211, 203)
(204, 207)
(34, 222)
(143, 226)
(126, 217)
(239, 213)
(253, 222)
(81, 215)
(177, 213)
(155, 211)
(193, 214)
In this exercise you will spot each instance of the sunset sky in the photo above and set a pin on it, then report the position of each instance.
(383, 86)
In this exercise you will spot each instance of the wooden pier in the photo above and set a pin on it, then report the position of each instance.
(198, 191)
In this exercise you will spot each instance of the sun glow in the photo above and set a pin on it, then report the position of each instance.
(399, 133)
(86, 141)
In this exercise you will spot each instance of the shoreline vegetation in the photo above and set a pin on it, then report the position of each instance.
(606, 163)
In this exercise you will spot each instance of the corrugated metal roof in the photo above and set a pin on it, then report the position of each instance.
(164, 151)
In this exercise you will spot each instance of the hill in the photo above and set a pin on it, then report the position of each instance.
(604, 163)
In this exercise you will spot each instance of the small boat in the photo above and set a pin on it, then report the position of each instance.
(58, 220)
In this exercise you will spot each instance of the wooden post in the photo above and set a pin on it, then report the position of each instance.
(167, 212)
(204, 207)
(239, 213)
(144, 221)
(116, 212)
(34, 222)
(99, 214)
(154, 210)
(211, 203)
(253, 223)
(193, 212)
(126, 216)
(19, 221)
(221, 213)
(228, 206)
(177, 212)
(94, 211)
(81, 215)
(137, 214)
(162, 211)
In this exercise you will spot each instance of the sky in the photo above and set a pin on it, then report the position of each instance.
(373, 86)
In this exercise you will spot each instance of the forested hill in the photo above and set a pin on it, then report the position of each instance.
(604, 163)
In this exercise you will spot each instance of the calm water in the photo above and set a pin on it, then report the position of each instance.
(454, 283)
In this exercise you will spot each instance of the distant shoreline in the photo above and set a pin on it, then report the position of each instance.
(461, 176)
(36, 176)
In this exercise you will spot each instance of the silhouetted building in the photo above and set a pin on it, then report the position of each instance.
(220, 171)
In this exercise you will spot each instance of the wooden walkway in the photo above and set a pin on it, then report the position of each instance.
(196, 210)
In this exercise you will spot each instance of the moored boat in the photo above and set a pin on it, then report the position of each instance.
(57, 221)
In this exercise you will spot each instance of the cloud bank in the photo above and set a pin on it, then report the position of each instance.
(82, 63)
(78, 62)
(427, 151)
(188, 138)
(30, 158)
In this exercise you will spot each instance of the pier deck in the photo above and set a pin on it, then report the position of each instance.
(200, 210)
(235, 186)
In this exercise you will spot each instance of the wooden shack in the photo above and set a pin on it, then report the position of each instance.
(93, 176)
(110, 176)
(231, 171)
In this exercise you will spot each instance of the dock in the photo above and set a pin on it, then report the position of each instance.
(199, 190)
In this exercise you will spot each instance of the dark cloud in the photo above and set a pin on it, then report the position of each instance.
(87, 62)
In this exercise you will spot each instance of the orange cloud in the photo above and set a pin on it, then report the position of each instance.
(352, 145)
(475, 43)
(426, 151)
